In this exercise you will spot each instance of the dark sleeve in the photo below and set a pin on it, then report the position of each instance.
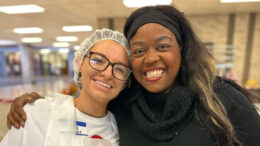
(243, 115)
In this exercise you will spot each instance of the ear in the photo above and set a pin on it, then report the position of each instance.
(80, 68)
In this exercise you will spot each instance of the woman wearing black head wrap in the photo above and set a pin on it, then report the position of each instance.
(177, 98)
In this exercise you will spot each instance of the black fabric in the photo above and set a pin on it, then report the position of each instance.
(243, 115)
(172, 111)
(155, 16)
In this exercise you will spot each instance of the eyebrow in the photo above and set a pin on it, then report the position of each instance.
(137, 43)
(101, 54)
(163, 38)
(158, 40)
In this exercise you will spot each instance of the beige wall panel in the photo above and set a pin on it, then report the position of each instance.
(240, 40)
(119, 24)
(102, 23)
(255, 58)
(210, 28)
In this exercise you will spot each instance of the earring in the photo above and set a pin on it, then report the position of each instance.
(79, 75)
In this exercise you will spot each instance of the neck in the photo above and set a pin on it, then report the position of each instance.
(87, 105)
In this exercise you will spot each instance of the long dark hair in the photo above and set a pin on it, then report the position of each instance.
(198, 73)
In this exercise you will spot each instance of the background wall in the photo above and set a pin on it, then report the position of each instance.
(255, 60)
(240, 39)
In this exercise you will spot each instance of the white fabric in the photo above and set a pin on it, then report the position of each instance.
(52, 122)
(89, 42)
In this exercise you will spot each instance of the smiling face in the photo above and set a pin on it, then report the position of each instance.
(102, 86)
(155, 57)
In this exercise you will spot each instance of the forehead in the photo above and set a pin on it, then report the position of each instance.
(151, 30)
(112, 50)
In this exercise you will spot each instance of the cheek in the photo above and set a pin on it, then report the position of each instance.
(86, 74)
(174, 62)
(121, 85)
(173, 57)
(136, 66)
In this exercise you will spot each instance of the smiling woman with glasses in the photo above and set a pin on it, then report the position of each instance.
(100, 62)
(64, 120)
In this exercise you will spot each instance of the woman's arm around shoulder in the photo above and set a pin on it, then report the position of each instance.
(35, 127)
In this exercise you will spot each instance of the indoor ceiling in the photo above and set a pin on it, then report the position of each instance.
(60, 13)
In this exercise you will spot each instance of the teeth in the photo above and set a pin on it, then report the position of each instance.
(103, 84)
(154, 74)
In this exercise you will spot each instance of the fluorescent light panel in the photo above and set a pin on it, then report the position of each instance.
(238, 1)
(32, 40)
(20, 9)
(7, 42)
(142, 3)
(77, 28)
(76, 47)
(64, 50)
(66, 39)
(59, 44)
(28, 30)
(45, 51)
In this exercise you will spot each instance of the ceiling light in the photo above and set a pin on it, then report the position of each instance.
(238, 1)
(76, 47)
(64, 44)
(32, 40)
(142, 3)
(7, 42)
(77, 28)
(19, 9)
(28, 30)
(64, 50)
(45, 51)
(66, 38)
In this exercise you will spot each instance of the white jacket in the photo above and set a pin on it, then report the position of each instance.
(51, 122)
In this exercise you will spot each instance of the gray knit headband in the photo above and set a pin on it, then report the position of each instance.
(155, 16)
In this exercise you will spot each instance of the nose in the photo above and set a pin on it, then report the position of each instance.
(107, 73)
(151, 57)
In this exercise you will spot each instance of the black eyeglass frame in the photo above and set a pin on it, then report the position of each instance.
(109, 63)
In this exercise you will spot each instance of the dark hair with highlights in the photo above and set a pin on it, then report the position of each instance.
(198, 73)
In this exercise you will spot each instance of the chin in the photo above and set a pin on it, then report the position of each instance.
(154, 89)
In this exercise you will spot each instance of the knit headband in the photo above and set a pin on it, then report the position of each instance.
(155, 16)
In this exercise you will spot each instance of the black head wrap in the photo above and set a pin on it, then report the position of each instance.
(155, 16)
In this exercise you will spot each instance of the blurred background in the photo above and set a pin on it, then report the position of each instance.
(38, 39)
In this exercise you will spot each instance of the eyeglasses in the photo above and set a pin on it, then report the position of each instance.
(100, 62)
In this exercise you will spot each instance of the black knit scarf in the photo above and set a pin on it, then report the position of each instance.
(162, 116)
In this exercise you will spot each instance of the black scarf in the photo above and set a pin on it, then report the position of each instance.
(168, 114)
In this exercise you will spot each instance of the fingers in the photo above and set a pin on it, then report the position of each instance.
(32, 97)
(17, 116)
(11, 121)
(17, 106)
(8, 123)
(20, 102)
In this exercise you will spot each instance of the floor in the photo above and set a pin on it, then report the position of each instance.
(12, 87)
(4, 108)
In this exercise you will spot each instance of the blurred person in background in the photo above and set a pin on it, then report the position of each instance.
(231, 74)
(101, 70)
(176, 97)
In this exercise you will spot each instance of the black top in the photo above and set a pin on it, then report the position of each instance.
(244, 117)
